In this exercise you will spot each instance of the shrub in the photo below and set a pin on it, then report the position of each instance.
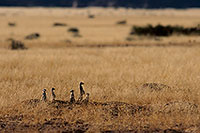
(160, 30)
(76, 35)
(17, 44)
(11, 24)
(59, 24)
(73, 30)
(91, 16)
(32, 36)
(123, 22)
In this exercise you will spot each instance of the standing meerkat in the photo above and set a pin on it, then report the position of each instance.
(86, 100)
(72, 99)
(82, 92)
(44, 95)
(53, 95)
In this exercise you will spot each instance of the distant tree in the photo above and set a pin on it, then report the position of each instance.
(111, 3)
(75, 3)
(146, 4)
(105, 3)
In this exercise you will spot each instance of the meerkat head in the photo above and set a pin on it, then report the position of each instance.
(81, 83)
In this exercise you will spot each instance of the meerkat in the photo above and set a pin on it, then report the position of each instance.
(86, 100)
(82, 92)
(53, 94)
(72, 99)
(44, 95)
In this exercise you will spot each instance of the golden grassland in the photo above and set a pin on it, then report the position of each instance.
(100, 30)
(110, 73)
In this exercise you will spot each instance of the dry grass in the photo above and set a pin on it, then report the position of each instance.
(105, 71)
(110, 74)
(100, 30)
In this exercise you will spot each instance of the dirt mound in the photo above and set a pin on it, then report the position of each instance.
(143, 131)
(61, 125)
(179, 106)
(176, 107)
(51, 125)
(154, 86)
(31, 102)
(113, 108)
(35, 115)
(120, 108)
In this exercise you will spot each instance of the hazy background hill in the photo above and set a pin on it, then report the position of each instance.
(105, 3)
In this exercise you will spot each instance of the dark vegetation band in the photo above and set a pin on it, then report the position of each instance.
(160, 30)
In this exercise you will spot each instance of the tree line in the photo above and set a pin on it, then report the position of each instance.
(104, 3)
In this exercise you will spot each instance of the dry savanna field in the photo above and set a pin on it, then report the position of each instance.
(146, 84)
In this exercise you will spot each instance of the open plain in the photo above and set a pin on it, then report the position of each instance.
(146, 84)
